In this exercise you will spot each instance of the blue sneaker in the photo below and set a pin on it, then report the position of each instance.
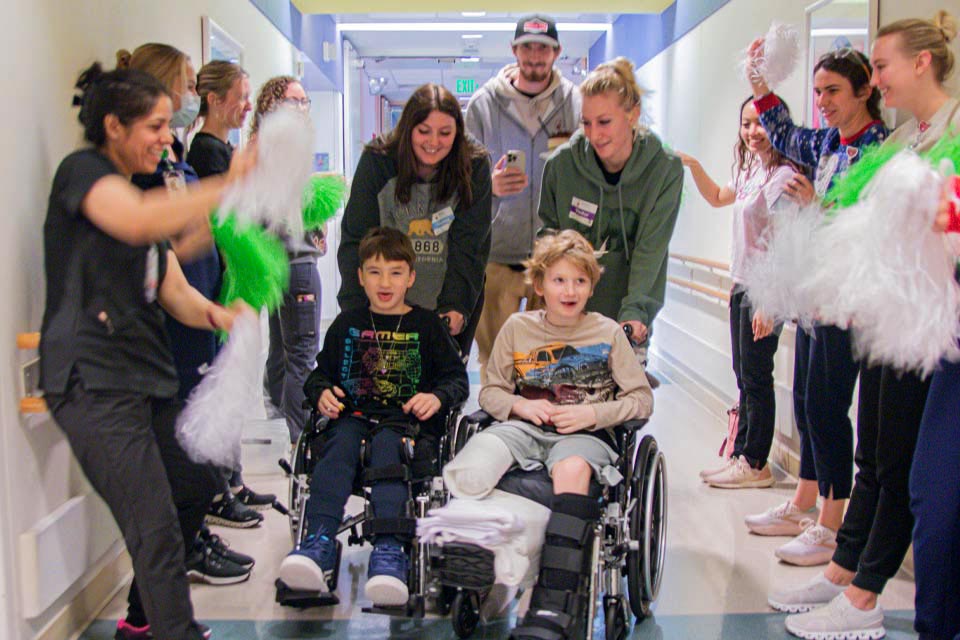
(387, 576)
(310, 567)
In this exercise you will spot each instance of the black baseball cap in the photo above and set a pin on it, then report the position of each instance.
(536, 28)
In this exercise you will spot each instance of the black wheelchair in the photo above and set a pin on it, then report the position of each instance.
(629, 542)
(422, 456)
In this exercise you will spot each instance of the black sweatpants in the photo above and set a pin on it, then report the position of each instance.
(127, 447)
(877, 527)
(753, 368)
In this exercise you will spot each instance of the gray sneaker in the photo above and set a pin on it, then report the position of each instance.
(798, 598)
(781, 520)
(838, 620)
(812, 547)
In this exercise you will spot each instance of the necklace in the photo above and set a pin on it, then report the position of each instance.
(381, 360)
(921, 129)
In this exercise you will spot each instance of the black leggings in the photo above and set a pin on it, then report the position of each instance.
(127, 447)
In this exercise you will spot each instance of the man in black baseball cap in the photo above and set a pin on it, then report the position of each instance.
(536, 28)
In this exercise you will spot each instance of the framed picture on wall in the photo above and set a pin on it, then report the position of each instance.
(217, 44)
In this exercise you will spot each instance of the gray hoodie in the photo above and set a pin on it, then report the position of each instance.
(504, 119)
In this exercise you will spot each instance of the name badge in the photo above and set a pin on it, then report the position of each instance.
(152, 274)
(441, 220)
(583, 212)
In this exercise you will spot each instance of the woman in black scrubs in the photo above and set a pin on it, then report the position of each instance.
(106, 366)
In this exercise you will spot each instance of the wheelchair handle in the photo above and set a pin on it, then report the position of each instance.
(285, 466)
(628, 329)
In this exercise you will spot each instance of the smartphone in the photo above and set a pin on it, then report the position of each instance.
(517, 160)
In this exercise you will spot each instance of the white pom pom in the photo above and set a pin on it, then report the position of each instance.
(781, 54)
(883, 270)
(272, 193)
(209, 427)
(773, 276)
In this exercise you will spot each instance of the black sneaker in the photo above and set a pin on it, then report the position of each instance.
(222, 547)
(229, 512)
(250, 498)
(206, 565)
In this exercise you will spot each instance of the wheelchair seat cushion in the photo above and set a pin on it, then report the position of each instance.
(536, 485)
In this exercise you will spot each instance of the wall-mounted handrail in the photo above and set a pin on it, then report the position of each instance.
(31, 400)
(717, 294)
(703, 262)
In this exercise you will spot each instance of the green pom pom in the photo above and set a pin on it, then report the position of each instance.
(847, 188)
(257, 269)
(322, 198)
(947, 148)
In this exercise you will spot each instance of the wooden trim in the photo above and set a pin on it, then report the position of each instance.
(703, 262)
(722, 296)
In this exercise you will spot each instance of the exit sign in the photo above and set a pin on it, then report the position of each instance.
(466, 85)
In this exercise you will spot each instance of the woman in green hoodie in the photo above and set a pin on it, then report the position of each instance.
(615, 184)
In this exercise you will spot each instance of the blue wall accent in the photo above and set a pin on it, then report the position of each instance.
(640, 37)
(307, 33)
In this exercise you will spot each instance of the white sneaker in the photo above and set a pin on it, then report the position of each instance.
(781, 520)
(838, 620)
(812, 547)
(740, 475)
(796, 599)
(722, 466)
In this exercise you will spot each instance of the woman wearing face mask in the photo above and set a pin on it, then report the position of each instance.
(825, 371)
(911, 60)
(294, 337)
(224, 89)
(758, 194)
(431, 180)
(615, 184)
(208, 558)
(106, 367)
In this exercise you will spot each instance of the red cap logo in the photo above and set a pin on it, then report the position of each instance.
(535, 26)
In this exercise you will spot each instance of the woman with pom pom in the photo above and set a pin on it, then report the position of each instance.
(106, 367)
(912, 60)
(758, 192)
(825, 370)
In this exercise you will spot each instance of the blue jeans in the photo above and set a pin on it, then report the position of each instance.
(333, 476)
(294, 343)
(935, 503)
(824, 375)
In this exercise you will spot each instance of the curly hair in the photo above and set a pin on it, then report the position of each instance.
(552, 248)
(271, 94)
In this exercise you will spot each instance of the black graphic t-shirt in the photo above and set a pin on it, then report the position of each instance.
(381, 361)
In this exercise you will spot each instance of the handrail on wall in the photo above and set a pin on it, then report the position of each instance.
(32, 401)
(717, 294)
(703, 262)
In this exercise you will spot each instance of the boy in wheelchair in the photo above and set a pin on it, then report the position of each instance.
(558, 381)
(380, 371)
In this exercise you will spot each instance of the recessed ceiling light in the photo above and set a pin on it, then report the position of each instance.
(464, 26)
(472, 36)
(469, 59)
(473, 14)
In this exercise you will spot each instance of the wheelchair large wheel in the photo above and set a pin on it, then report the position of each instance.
(648, 528)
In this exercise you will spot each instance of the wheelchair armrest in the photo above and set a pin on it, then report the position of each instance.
(481, 418)
(635, 424)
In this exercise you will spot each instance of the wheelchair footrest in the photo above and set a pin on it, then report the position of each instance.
(297, 599)
(415, 608)
(465, 565)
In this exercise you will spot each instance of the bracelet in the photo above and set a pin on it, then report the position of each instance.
(953, 205)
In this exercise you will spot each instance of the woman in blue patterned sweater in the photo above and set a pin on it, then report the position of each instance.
(825, 371)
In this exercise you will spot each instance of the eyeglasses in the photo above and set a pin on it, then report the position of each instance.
(848, 53)
(299, 103)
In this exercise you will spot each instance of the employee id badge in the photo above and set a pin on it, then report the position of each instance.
(151, 274)
(583, 212)
(175, 181)
(441, 221)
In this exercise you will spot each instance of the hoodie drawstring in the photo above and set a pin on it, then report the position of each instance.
(623, 224)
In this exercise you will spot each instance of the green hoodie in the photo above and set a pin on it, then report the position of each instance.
(631, 221)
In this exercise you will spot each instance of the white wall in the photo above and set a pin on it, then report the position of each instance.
(47, 43)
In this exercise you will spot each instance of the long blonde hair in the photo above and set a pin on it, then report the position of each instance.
(918, 35)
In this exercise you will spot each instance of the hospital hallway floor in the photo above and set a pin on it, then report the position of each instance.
(715, 583)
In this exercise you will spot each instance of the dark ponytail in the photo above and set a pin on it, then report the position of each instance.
(126, 93)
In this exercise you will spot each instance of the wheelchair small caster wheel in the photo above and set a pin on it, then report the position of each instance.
(615, 619)
(465, 612)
